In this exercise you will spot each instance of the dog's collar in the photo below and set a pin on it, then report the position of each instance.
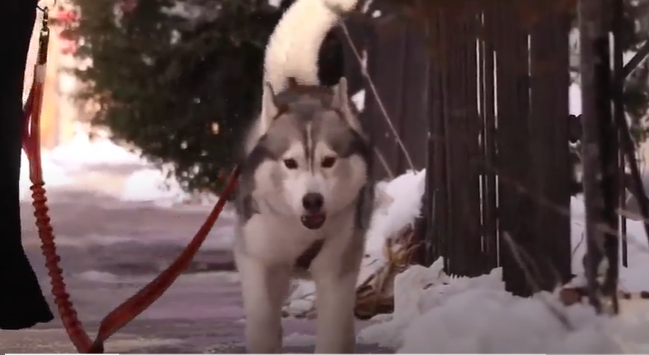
(305, 259)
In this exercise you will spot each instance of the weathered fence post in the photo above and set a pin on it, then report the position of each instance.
(531, 63)
(515, 208)
(548, 144)
(494, 90)
(436, 166)
(599, 153)
(488, 140)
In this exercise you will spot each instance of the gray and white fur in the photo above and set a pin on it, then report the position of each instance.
(305, 197)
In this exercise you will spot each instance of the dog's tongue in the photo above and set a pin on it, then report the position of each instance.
(313, 221)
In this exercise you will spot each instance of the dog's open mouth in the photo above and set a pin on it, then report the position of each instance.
(313, 221)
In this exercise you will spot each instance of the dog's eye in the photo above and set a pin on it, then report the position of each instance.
(290, 163)
(328, 162)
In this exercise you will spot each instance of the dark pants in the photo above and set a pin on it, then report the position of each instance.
(22, 303)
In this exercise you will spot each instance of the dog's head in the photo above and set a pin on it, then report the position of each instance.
(312, 159)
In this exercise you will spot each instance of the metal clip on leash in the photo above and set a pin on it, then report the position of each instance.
(135, 305)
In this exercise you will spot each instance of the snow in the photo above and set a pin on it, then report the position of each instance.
(142, 181)
(405, 191)
(633, 278)
(493, 321)
(83, 152)
(53, 175)
(359, 100)
(158, 186)
(150, 185)
(435, 313)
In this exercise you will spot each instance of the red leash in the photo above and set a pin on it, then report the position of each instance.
(135, 305)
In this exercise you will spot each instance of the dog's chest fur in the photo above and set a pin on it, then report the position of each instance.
(279, 241)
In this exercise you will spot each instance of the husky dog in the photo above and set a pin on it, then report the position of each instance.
(304, 199)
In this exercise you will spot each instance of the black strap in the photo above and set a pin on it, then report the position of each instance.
(305, 259)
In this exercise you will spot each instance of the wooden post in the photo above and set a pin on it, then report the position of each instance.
(599, 155)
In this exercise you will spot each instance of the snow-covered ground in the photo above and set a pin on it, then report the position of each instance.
(83, 152)
(53, 174)
(93, 183)
(433, 312)
(438, 314)
(118, 223)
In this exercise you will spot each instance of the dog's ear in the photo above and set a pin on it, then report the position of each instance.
(340, 102)
(269, 109)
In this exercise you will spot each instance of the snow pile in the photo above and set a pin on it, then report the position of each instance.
(632, 279)
(151, 185)
(419, 289)
(405, 192)
(494, 321)
(359, 100)
(146, 183)
(161, 188)
(83, 151)
(438, 314)
(53, 174)
(301, 302)
(398, 204)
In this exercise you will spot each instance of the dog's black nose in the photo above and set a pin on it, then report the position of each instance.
(313, 202)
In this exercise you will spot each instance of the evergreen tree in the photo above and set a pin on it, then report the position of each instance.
(178, 79)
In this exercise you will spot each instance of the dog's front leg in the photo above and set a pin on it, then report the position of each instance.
(264, 289)
(335, 301)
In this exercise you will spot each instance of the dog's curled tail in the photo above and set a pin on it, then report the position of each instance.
(292, 50)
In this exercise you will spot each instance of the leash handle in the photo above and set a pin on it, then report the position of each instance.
(34, 103)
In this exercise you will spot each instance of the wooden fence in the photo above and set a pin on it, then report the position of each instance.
(481, 102)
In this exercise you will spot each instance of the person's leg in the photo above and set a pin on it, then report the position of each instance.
(22, 304)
